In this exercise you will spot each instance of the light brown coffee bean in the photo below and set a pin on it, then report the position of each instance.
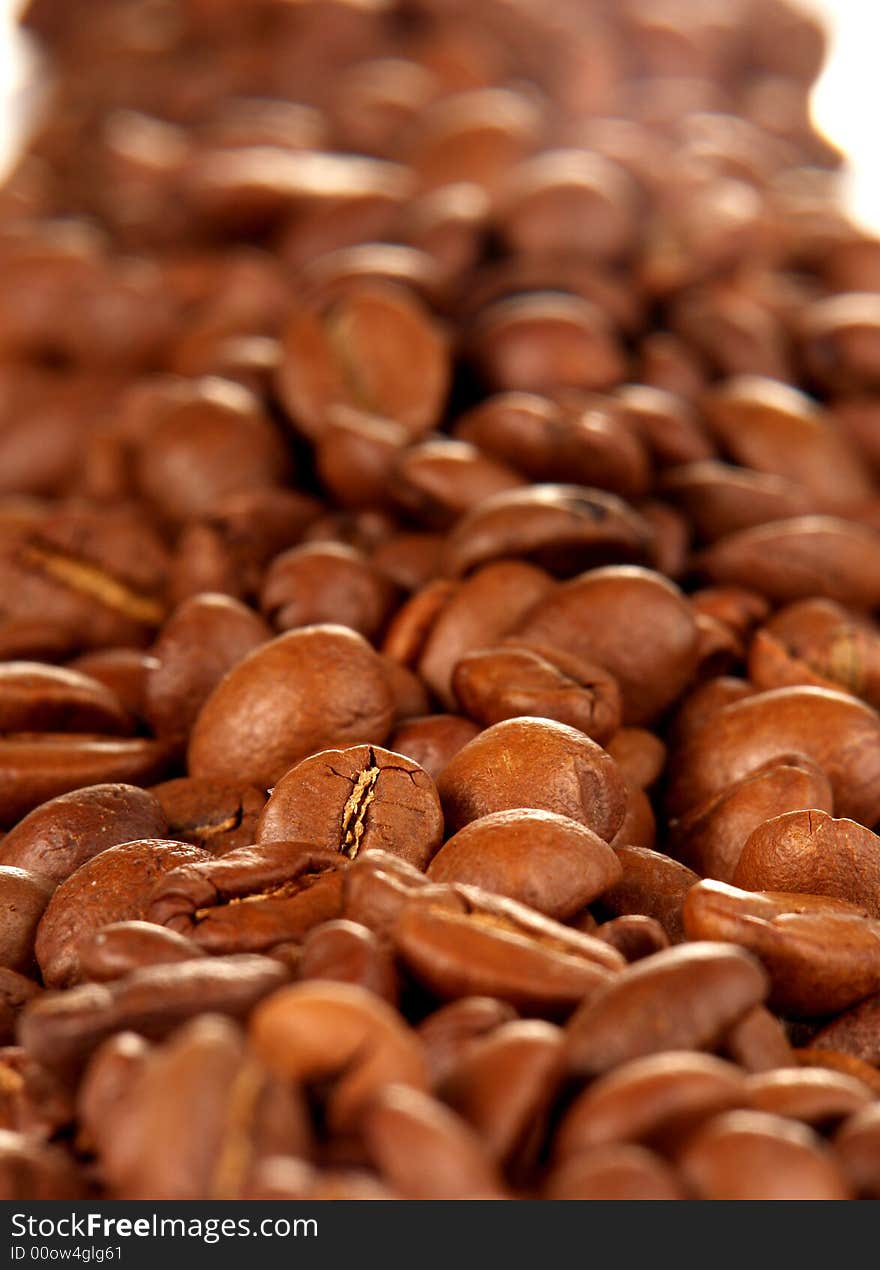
(619, 1171)
(321, 1031)
(567, 773)
(749, 1154)
(548, 862)
(266, 714)
(63, 833)
(356, 800)
(821, 954)
(809, 851)
(431, 740)
(682, 998)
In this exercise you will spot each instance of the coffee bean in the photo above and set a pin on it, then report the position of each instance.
(548, 862)
(265, 714)
(355, 800)
(567, 773)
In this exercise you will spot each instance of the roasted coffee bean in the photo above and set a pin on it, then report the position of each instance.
(355, 800)
(650, 1101)
(351, 354)
(567, 773)
(221, 1109)
(213, 815)
(812, 1095)
(853, 1032)
(202, 639)
(452, 1030)
(460, 953)
(113, 886)
(817, 642)
(758, 1042)
(496, 386)
(266, 713)
(505, 683)
(804, 556)
(345, 952)
(504, 1084)
(857, 1148)
(63, 833)
(326, 582)
(838, 732)
(424, 1150)
(822, 954)
(337, 1031)
(809, 851)
(251, 898)
(712, 836)
(747, 1154)
(62, 1029)
(117, 949)
(23, 899)
(548, 862)
(619, 1171)
(560, 528)
(633, 935)
(681, 998)
(631, 621)
(652, 884)
(431, 740)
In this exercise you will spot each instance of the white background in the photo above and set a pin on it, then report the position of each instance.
(846, 100)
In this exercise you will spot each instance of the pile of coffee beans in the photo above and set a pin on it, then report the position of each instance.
(439, 545)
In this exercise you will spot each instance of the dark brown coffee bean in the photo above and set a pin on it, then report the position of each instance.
(504, 1084)
(768, 426)
(357, 800)
(456, 954)
(811, 1095)
(562, 771)
(326, 582)
(36, 698)
(633, 935)
(758, 1042)
(113, 886)
(478, 614)
(857, 1148)
(548, 862)
(853, 1032)
(345, 952)
(266, 714)
(63, 833)
(335, 357)
(222, 1111)
(794, 559)
(451, 1031)
(682, 998)
(203, 638)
